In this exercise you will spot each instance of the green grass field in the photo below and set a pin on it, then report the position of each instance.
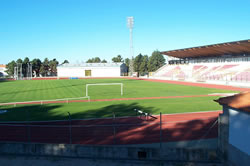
(17, 91)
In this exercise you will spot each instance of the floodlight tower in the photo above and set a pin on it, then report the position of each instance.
(130, 24)
(18, 71)
(29, 71)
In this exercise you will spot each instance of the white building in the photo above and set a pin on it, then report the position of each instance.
(91, 70)
(2, 70)
(234, 129)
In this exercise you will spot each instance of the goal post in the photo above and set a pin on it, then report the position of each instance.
(103, 84)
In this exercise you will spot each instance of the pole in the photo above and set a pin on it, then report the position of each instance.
(27, 72)
(160, 130)
(21, 73)
(86, 90)
(31, 72)
(121, 89)
(130, 26)
(70, 130)
(28, 126)
(17, 72)
(114, 130)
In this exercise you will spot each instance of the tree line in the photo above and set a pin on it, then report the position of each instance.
(142, 64)
(39, 68)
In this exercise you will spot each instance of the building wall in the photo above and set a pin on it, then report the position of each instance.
(3, 69)
(95, 71)
(239, 130)
(234, 136)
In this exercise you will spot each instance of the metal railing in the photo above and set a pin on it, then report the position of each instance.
(46, 101)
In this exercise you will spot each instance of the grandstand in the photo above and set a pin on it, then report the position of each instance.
(218, 63)
(2, 70)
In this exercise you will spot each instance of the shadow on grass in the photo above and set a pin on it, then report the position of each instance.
(119, 110)
(29, 113)
(48, 112)
(5, 80)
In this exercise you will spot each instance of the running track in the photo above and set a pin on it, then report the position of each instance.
(119, 131)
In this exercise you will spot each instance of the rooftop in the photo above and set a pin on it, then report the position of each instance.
(91, 65)
(229, 48)
(239, 101)
(1, 65)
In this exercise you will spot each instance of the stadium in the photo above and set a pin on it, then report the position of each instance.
(172, 109)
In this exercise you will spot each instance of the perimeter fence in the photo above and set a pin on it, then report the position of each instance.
(109, 131)
(41, 102)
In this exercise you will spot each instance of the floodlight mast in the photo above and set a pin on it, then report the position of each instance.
(130, 24)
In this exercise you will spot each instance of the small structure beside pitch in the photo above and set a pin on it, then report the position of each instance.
(91, 70)
(234, 129)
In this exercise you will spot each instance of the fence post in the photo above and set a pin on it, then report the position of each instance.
(70, 130)
(28, 126)
(114, 130)
(160, 130)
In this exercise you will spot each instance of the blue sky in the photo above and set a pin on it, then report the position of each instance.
(77, 30)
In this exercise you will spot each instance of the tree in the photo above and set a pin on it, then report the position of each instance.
(53, 67)
(65, 61)
(127, 61)
(10, 68)
(118, 58)
(36, 64)
(42, 70)
(104, 61)
(156, 60)
(25, 65)
(97, 60)
(19, 61)
(94, 60)
(137, 62)
(143, 68)
(90, 61)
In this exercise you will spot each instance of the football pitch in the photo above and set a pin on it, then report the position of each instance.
(35, 90)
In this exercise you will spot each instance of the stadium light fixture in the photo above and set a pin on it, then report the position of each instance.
(130, 24)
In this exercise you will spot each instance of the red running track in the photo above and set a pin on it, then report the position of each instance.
(119, 131)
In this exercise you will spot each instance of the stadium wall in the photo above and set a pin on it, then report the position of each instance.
(95, 72)
(109, 152)
(92, 70)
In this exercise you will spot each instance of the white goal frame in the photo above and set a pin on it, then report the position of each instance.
(100, 84)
